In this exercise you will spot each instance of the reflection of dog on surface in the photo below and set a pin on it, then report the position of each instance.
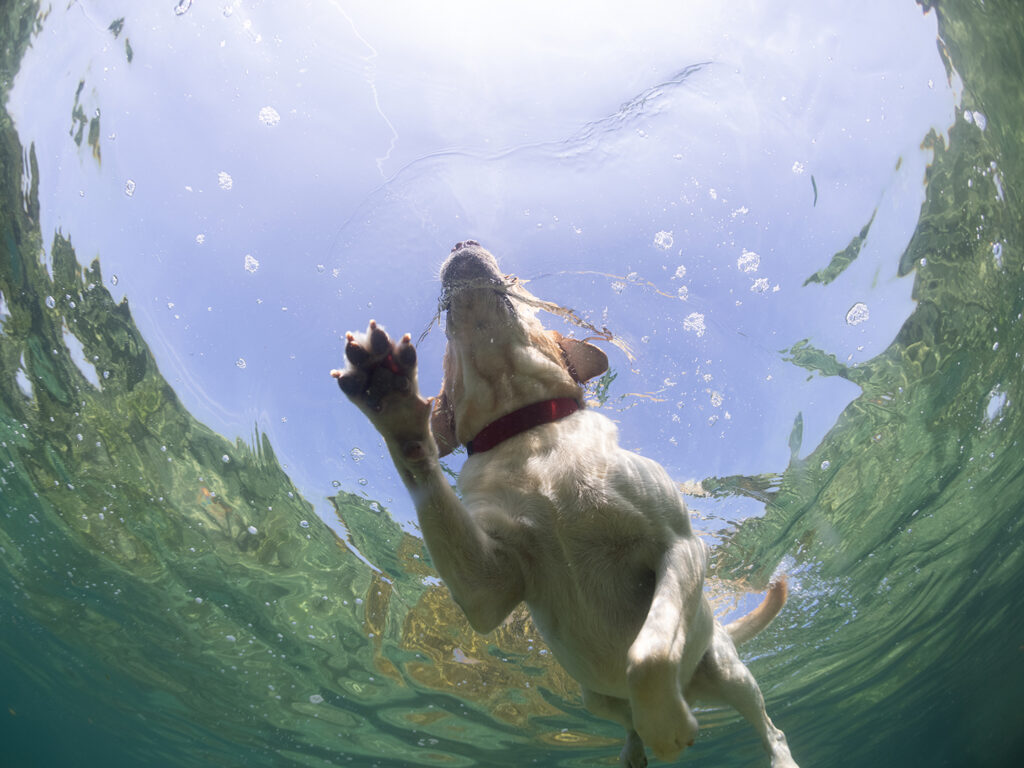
(595, 539)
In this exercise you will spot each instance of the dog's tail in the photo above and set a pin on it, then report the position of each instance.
(747, 627)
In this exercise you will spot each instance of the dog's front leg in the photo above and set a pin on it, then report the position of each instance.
(479, 569)
(668, 648)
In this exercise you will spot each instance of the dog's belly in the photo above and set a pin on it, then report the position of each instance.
(590, 620)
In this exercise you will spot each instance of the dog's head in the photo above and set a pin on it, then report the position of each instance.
(499, 357)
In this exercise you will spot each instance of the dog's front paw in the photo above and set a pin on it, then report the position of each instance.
(378, 368)
(381, 380)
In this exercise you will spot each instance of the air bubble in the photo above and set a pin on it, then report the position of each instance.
(857, 314)
(996, 403)
(748, 261)
(269, 116)
(694, 323)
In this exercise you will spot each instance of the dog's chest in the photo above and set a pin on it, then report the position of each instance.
(586, 546)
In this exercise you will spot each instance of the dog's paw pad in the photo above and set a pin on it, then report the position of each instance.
(351, 382)
(380, 343)
(406, 352)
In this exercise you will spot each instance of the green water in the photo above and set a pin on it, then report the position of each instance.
(167, 598)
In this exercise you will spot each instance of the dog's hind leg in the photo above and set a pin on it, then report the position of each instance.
(668, 648)
(723, 678)
(617, 710)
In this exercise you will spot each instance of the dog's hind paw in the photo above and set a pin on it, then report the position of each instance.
(666, 726)
(380, 379)
(633, 755)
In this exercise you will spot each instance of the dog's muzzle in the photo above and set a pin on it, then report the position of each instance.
(470, 266)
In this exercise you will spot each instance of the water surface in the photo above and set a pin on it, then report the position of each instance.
(804, 224)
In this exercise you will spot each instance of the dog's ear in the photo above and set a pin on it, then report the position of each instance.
(585, 361)
(442, 424)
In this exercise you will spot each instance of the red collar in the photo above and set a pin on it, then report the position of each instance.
(525, 418)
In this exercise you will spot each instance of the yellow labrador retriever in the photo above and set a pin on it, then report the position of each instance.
(595, 539)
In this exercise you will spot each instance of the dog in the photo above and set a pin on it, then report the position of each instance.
(595, 539)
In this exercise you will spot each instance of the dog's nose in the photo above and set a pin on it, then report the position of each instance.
(468, 263)
(460, 245)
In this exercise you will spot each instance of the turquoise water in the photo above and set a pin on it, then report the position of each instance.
(170, 597)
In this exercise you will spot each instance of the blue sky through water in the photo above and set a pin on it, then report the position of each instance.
(271, 177)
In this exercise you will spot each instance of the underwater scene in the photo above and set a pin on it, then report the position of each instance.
(796, 230)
